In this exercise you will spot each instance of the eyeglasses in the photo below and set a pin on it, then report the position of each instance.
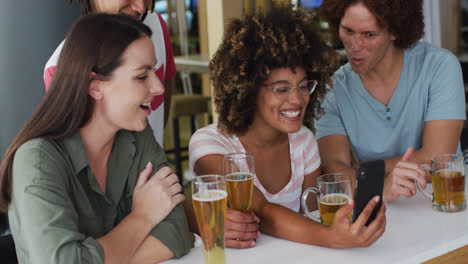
(283, 90)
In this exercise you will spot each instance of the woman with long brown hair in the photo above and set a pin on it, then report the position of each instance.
(165, 68)
(84, 180)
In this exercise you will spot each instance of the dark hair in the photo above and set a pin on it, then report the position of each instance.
(256, 45)
(402, 18)
(95, 43)
(86, 7)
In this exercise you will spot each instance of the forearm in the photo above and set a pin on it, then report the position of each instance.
(439, 137)
(151, 251)
(284, 223)
(336, 156)
(349, 168)
(122, 242)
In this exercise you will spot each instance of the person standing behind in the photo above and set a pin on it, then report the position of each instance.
(397, 99)
(165, 67)
(84, 181)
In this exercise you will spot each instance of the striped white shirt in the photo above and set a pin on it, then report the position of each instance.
(304, 153)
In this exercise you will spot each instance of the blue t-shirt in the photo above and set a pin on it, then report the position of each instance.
(430, 88)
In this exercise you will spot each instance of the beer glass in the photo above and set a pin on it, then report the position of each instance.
(209, 198)
(333, 192)
(239, 172)
(448, 183)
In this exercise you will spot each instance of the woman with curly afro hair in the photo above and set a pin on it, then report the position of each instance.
(270, 75)
(398, 99)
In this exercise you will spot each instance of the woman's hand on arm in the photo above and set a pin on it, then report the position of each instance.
(242, 229)
(163, 187)
(153, 200)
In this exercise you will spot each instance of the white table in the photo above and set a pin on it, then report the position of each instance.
(414, 233)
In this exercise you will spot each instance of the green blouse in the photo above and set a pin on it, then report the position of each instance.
(58, 209)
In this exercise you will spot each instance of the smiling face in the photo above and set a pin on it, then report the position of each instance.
(366, 43)
(134, 8)
(127, 95)
(283, 115)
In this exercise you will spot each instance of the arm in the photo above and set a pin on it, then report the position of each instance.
(335, 154)
(44, 214)
(399, 180)
(129, 240)
(443, 121)
(171, 235)
(439, 137)
(445, 109)
(153, 250)
(284, 223)
(301, 229)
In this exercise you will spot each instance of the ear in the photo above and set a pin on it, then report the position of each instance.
(94, 87)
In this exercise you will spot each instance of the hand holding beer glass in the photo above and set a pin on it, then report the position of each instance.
(448, 183)
(239, 172)
(333, 192)
(209, 198)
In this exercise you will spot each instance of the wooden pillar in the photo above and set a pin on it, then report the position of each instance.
(213, 16)
(450, 25)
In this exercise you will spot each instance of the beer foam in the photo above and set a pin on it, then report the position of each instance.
(211, 195)
(449, 173)
(341, 195)
(243, 175)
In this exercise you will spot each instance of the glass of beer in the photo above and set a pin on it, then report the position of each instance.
(209, 198)
(333, 192)
(239, 172)
(448, 183)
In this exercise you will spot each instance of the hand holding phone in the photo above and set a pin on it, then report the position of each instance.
(369, 183)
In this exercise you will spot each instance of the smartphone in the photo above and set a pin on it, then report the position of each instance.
(369, 183)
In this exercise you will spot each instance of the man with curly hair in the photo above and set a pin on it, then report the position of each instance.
(396, 99)
(269, 75)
